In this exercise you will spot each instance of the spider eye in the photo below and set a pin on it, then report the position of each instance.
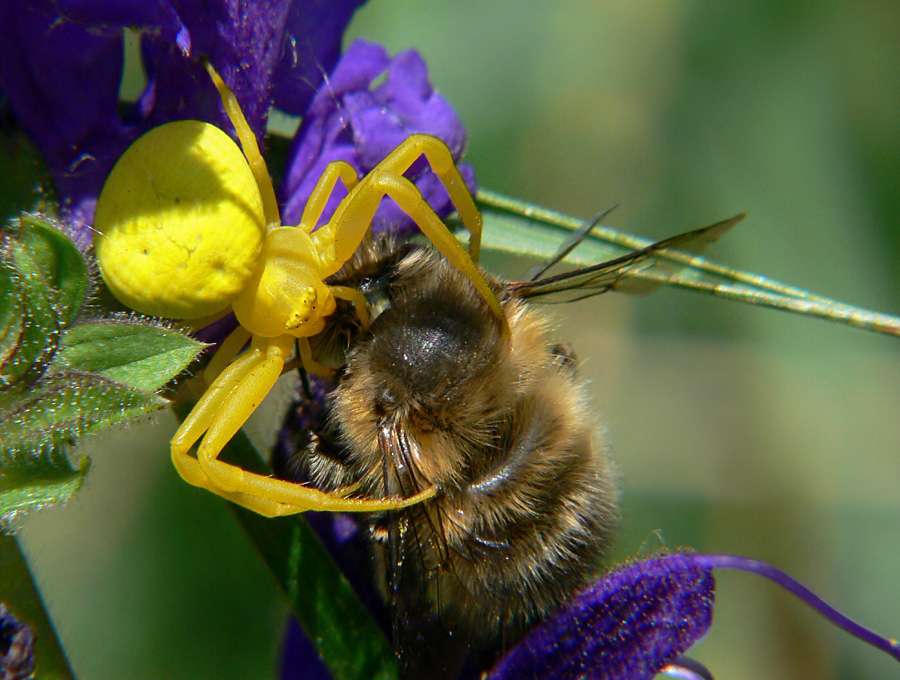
(179, 223)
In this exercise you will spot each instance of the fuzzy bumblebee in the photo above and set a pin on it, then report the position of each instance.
(187, 227)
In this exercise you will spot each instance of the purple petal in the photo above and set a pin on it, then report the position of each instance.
(404, 104)
(361, 64)
(348, 120)
(299, 658)
(313, 34)
(242, 38)
(156, 15)
(627, 626)
(62, 82)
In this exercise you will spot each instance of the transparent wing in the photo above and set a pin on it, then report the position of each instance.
(618, 273)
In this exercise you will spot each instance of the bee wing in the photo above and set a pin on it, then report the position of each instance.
(569, 244)
(618, 273)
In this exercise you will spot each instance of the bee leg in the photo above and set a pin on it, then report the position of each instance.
(563, 356)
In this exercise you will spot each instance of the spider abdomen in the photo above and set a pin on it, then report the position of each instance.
(179, 223)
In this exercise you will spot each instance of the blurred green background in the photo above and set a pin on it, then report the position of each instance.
(736, 429)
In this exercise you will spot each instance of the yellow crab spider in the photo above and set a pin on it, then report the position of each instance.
(187, 227)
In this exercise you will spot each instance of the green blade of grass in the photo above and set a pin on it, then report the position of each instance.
(21, 596)
(346, 637)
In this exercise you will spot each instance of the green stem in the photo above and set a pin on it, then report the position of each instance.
(20, 594)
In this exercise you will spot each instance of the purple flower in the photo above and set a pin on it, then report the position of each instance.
(636, 621)
(16, 647)
(628, 625)
(348, 120)
(61, 64)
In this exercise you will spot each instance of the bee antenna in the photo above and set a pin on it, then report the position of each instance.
(575, 238)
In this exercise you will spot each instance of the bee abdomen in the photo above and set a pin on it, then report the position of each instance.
(534, 523)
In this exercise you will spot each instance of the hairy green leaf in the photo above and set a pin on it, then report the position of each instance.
(32, 336)
(11, 324)
(44, 480)
(127, 351)
(61, 408)
(55, 257)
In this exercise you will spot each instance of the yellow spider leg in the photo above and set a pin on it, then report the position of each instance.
(348, 232)
(441, 161)
(312, 499)
(324, 188)
(348, 228)
(273, 497)
(304, 498)
(248, 144)
(358, 300)
(361, 205)
(234, 410)
(310, 364)
(257, 492)
(316, 500)
(227, 351)
(204, 413)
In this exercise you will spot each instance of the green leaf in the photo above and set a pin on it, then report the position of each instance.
(61, 408)
(346, 637)
(61, 265)
(31, 484)
(348, 640)
(11, 311)
(43, 282)
(31, 338)
(127, 351)
(21, 596)
(517, 227)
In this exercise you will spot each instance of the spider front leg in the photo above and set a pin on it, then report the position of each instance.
(225, 406)
(220, 414)
(343, 234)
(442, 164)
(334, 171)
(363, 201)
